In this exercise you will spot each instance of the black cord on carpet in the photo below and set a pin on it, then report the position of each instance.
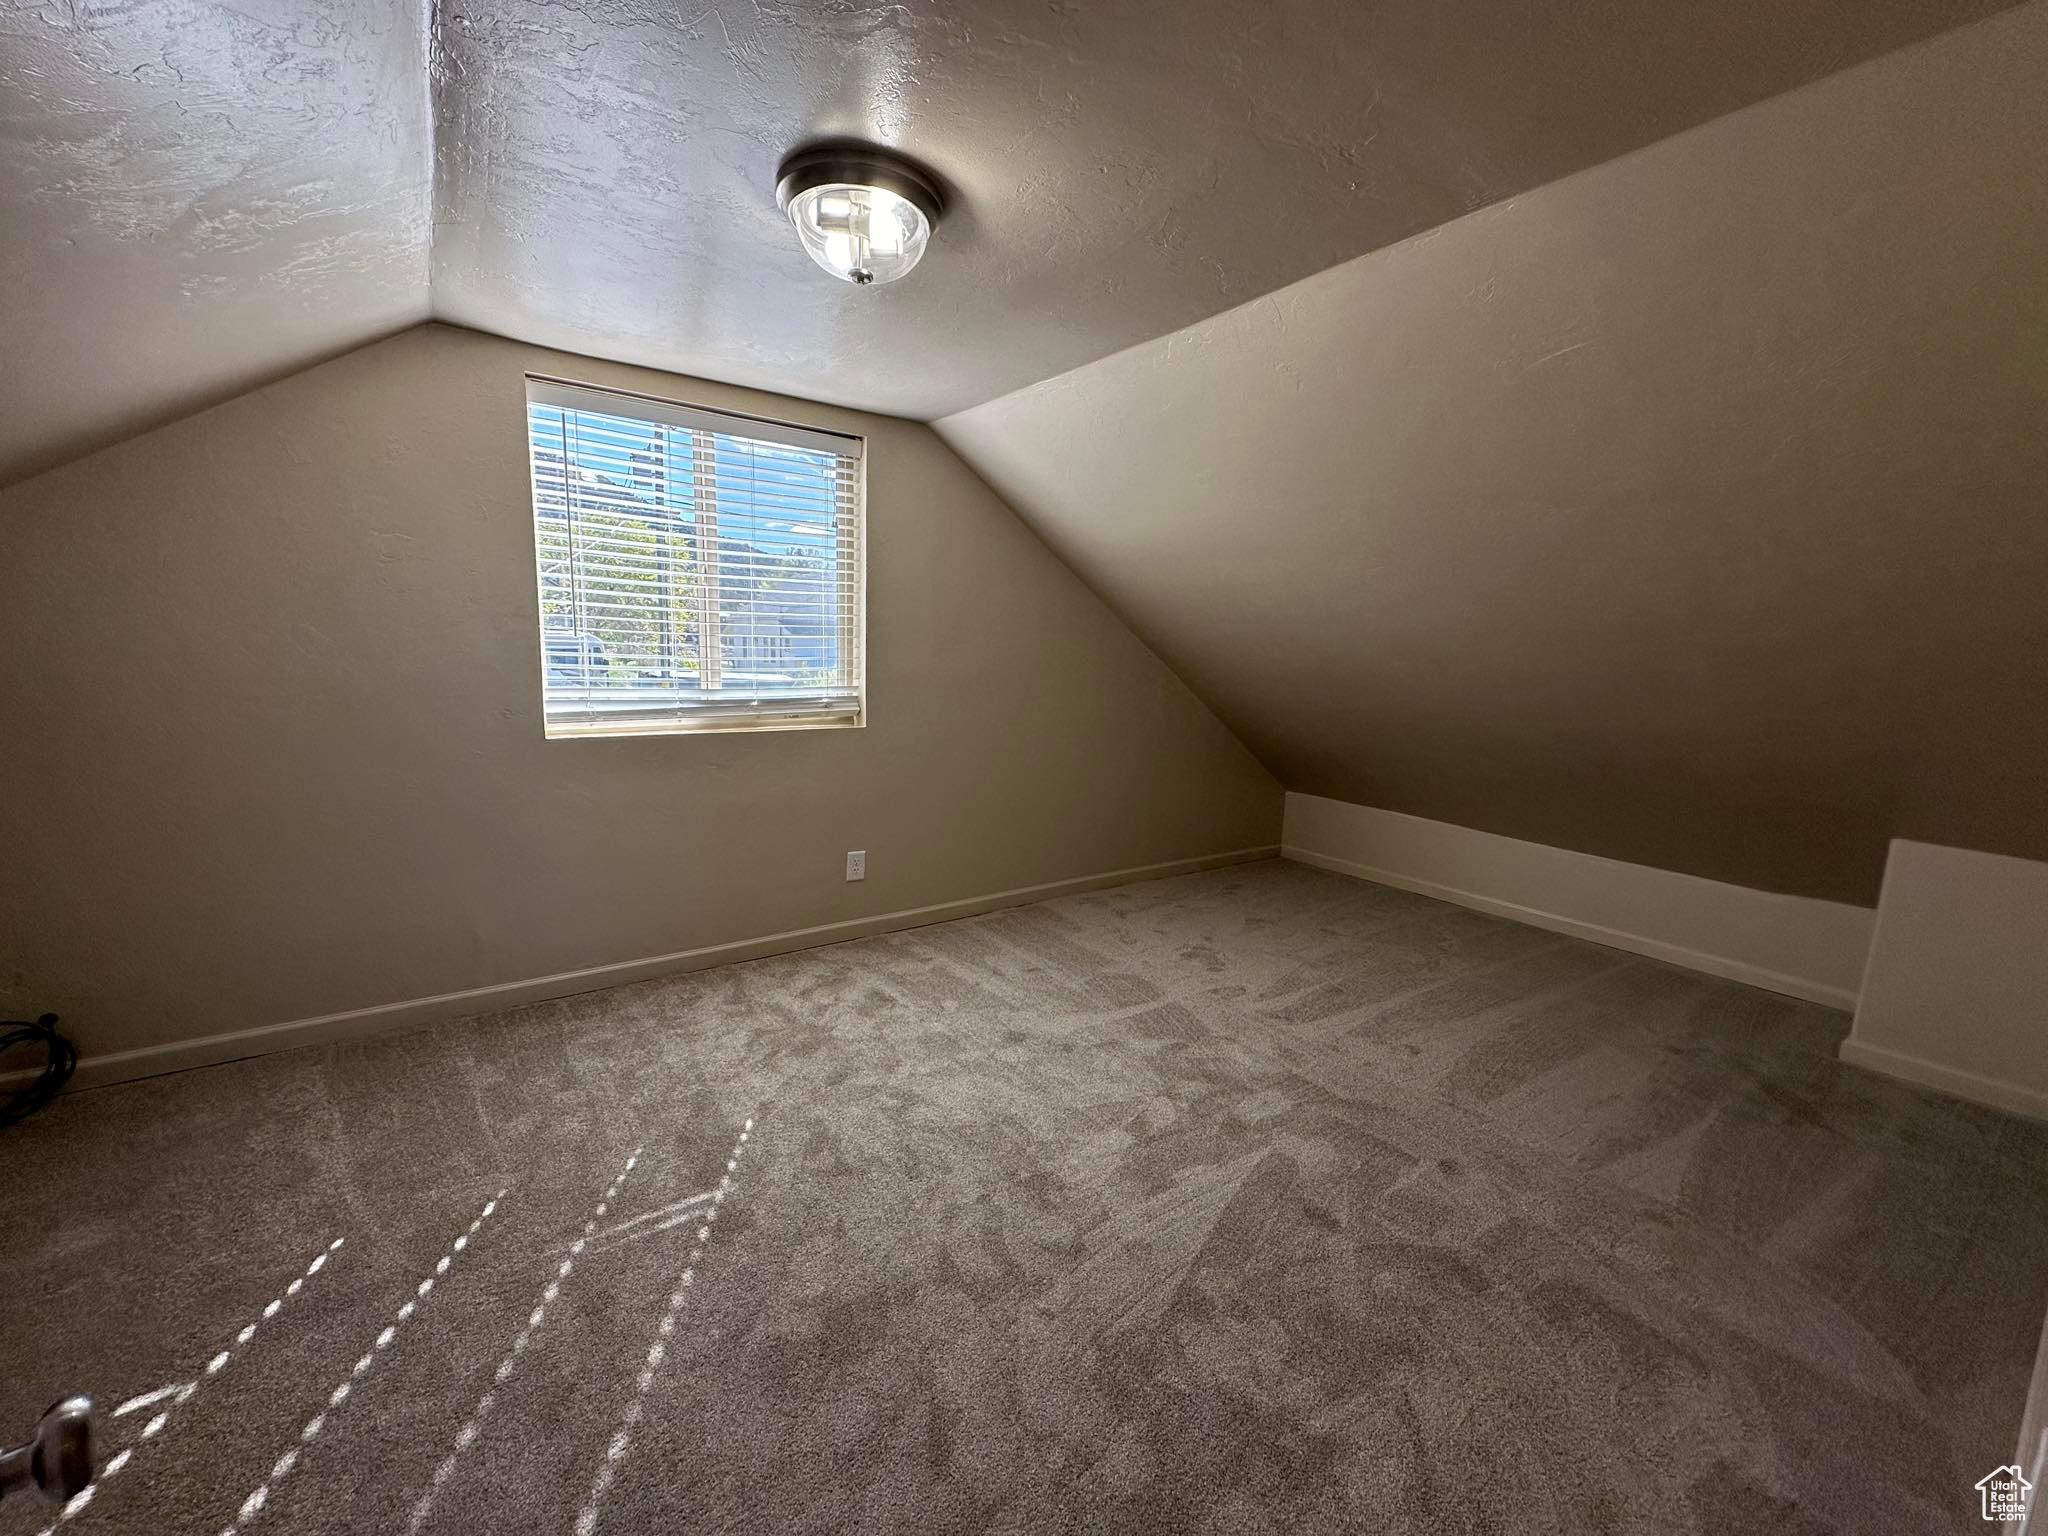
(19, 1103)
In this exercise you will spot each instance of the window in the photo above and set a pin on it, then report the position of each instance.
(698, 571)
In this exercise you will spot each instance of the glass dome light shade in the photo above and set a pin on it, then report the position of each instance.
(861, 215)
(862, 234)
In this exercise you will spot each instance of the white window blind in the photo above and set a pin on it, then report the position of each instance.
(697, 570)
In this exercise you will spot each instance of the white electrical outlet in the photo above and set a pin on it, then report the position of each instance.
(857, 864)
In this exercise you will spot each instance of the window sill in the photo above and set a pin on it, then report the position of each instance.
(599, 730)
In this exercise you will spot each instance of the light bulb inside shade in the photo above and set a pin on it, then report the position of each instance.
(861, 234)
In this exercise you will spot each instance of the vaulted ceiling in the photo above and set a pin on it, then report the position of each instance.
(199, 195)
(1689, 511)
(196, 198)
(1613, 424)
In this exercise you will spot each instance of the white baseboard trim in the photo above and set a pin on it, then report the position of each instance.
(1949, 1080)
(1953, 996)
(1796, 945)
(326, 1028)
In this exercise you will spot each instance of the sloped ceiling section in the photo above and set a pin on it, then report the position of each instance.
(606, 168)
(1688, 511)
(195, 198)
(196, 195)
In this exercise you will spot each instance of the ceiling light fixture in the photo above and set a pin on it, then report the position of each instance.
(864, 215)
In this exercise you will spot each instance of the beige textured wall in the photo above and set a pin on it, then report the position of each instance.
(270, 741)
(1691, 511)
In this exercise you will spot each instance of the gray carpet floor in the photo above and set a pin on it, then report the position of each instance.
(1253, 1201)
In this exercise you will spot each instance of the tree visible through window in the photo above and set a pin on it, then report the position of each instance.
(695, 569)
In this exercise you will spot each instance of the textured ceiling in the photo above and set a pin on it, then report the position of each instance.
(605, 168)
(194, 196)
(1687, 511)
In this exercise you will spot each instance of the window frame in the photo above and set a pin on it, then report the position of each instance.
(663, 719)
